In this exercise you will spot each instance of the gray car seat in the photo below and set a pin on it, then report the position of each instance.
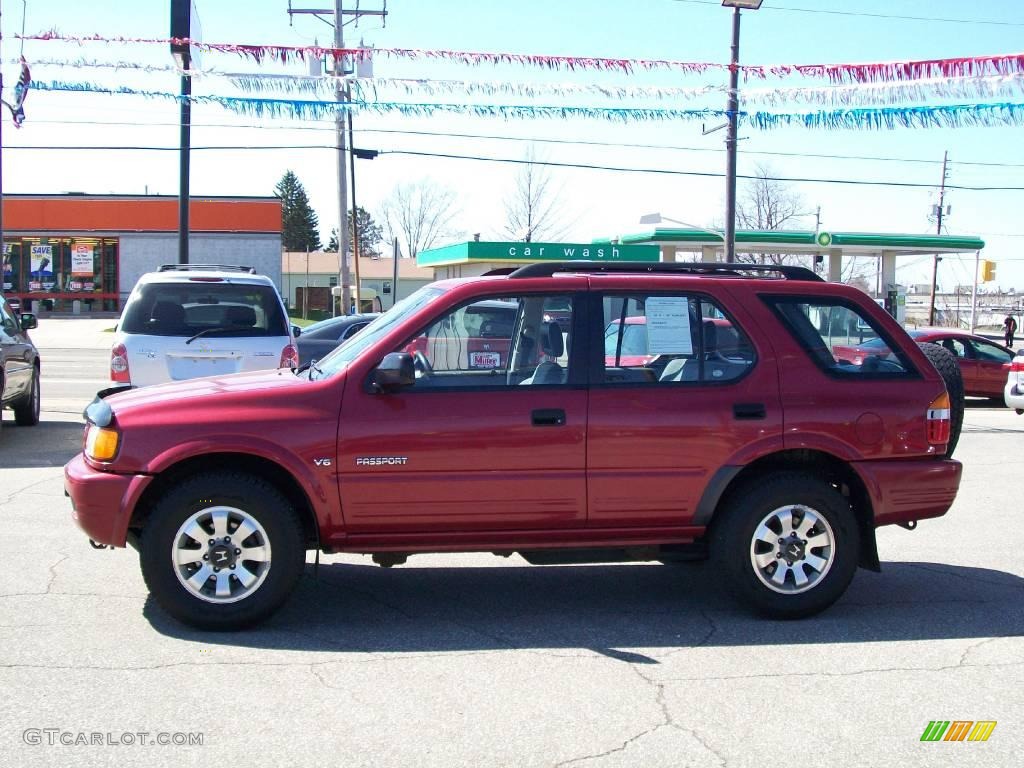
(549, 371)
(167, 316)
(717, 367)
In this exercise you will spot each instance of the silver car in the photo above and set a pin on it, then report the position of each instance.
(188, 321)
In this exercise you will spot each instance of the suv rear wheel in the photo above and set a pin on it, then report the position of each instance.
(222, 551)
(788, 544)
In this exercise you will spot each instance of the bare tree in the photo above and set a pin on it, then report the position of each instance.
(420, 214)
(766, 204)
(532, 211)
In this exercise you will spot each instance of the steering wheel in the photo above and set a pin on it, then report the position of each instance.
(876, 364)
(422, 365)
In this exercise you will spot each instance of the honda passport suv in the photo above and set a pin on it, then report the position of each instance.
(738, 436)
(191, 320)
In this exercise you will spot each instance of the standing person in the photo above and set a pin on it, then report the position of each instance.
(1010, 328)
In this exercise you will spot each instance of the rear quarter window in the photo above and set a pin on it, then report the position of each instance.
(185, 309)
(841, 338)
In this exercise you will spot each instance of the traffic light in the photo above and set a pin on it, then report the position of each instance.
(988, 271)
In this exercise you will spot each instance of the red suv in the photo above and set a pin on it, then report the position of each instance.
(762, 450)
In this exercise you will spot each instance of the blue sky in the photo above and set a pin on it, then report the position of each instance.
(595, 203)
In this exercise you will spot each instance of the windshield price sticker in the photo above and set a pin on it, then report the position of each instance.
(668, 325)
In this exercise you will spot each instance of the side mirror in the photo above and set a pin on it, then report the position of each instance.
(395, 371)
(296, 331)
(28, 321)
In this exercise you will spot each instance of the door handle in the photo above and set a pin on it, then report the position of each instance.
(749, 411)
(549, 417)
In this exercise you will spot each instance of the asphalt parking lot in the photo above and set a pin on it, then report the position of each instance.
(473, 660)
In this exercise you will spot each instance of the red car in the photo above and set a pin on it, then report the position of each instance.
(983, 363)
(634, 349)
(760, 451)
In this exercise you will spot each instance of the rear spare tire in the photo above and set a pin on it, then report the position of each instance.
(946, 364)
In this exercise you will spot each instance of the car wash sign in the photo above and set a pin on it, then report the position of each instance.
(525, 253)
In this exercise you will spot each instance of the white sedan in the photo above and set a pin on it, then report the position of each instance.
(1014, 392)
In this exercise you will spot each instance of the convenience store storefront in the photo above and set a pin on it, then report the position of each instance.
(83, 254)
(57, 271)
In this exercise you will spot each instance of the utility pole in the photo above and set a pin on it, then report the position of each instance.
(938, 231)
(730, 139)
(339, 14)
(355, 219)
(974, 291)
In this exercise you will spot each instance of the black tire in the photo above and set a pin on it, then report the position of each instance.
(26, 411)
(734, 546)
(257, 499)
(946, 364)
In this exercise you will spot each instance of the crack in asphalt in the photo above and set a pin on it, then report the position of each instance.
(973, 647)
(11, 495)
(667, 721)
(53, 571)
(964, 576)
(505, 643)
(713, 629)
(73, 594)
(774, 675)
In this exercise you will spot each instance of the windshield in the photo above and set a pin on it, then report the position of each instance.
(353, 347)
(187, 309)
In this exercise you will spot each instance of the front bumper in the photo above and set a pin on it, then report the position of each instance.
(1013, 395)
(907, 491)
(102, 502)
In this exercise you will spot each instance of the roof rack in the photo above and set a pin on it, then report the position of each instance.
(206, 268)
(724, 269)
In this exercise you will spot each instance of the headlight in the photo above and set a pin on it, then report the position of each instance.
(101, 443)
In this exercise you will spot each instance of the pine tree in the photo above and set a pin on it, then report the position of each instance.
(299, 222)
(370, 233)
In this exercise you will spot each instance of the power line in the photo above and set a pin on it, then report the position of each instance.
(520, 161)
(588, 166)
(541, 140)
(868, 15)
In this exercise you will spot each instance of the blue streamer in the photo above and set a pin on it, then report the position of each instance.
(985, 115)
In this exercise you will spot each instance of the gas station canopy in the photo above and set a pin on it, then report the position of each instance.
(667, 244)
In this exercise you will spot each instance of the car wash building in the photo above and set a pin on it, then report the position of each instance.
(478, 258)
(83, 254)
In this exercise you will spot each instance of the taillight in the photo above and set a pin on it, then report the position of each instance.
(938, 420)
(119, 364)
(1017, 367)
(289, 357)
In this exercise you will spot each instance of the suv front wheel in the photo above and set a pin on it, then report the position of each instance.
(788, 543)
(222, 550)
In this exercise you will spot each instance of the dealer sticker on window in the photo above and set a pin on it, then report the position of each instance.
(485, 359)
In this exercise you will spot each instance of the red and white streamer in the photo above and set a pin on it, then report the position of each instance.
(868, 72)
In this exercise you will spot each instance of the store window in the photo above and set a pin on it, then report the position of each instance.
(52, 273)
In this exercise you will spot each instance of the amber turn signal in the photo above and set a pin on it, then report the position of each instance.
(101, 443)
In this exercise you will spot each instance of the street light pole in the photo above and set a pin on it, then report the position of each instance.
(730, 140)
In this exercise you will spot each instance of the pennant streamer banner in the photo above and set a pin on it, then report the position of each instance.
(367, 89)
(870, 72)
(951, 116)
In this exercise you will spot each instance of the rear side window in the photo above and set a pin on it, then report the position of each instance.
(652, 339)
(841, 338)
(990, 353)
(185, 309)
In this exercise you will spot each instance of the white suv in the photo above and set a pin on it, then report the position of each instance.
(1014, 392)
(192, 320)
